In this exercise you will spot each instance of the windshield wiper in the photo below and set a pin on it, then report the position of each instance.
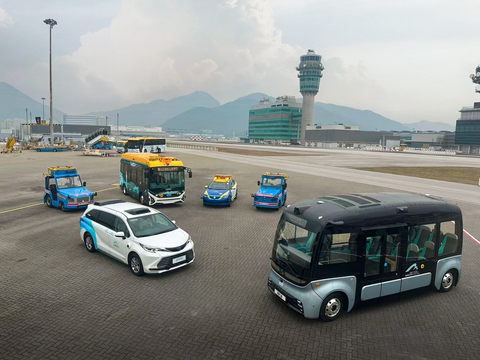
(286, 265)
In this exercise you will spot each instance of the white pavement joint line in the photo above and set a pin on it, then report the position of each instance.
(471, 236)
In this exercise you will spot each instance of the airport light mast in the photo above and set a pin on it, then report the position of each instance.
(309, 73)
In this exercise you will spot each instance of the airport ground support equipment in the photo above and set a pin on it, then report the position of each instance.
(273, 191)
(64, 189)
(221, 191)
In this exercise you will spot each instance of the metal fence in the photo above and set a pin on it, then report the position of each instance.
(192, 146)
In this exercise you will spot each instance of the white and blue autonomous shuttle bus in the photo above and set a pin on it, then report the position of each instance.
(332, 252)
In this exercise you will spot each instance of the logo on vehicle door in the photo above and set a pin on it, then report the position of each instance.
(412, 270)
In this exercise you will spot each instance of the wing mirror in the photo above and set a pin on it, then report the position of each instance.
(206, 186)
(190, 174)
(84, 183)
(174, 222)
(120, 234)
(258, 182)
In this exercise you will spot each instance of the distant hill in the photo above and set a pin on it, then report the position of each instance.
(199, 110)
(157, 112)
(228, 119)
(328, 114)
(13, 104)
(427, 125)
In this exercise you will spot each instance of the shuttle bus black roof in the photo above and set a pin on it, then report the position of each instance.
(366, 210)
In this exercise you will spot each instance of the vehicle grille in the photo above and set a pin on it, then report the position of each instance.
(166, 262)
(178, 248)
(81, 199)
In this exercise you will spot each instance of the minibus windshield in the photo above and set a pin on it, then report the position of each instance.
(293, 247)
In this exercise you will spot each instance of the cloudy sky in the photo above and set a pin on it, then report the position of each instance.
(408, 60)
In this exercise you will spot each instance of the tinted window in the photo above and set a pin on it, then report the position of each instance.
(150, 225)
(121, 226)
(92, 215)
(106, 219)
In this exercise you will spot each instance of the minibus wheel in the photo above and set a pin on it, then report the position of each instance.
(48, 201)
(332, 307)
(124, 189)
(448, 280)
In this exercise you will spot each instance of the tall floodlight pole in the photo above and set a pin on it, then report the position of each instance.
(52, 23)
(43, 111)
(309, 73)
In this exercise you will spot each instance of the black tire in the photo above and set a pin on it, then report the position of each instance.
(332, 307)
(448, 281)
(144, 200)
(55, 150)
(135, 264)
(38, 150)
(48, 201)
(61, 206)
(89, 244)
(124, 190)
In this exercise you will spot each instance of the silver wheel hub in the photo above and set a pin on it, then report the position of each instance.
(447, 280)
(135, 264)
(89, 243)
(333, 307)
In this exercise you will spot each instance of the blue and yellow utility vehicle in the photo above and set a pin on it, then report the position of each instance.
(273, 191)
(64, 189)
(221, 191)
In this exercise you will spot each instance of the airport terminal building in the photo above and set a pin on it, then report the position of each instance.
(467, 130)
(280, 121)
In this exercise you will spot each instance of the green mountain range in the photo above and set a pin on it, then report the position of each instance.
(200, 111)
(157, 112)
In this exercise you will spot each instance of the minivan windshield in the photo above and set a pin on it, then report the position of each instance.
(293, 246)
(149, 225)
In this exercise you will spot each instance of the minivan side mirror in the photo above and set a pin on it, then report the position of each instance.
(120, 234)
(173, 221)
(206, 186)
(84, 183)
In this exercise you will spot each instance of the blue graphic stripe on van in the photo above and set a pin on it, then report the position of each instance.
(86, 223)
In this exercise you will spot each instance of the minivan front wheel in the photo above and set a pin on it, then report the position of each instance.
(89, 245)
(135, 264)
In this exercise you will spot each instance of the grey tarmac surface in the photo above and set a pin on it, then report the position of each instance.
(57, 301)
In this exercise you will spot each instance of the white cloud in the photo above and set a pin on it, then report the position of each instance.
(5, 19)
(162, 50)
(408, 61)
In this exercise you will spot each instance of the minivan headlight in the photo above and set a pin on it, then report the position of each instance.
(151, 249)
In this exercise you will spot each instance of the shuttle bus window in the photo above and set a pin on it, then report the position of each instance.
(338, 248)
(448, 239)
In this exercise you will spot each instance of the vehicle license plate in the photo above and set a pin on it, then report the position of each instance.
(179, 259)
(280, 295)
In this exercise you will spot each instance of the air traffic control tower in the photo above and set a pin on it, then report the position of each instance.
(309, 72)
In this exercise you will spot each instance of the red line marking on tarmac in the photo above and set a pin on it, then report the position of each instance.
(471, 237)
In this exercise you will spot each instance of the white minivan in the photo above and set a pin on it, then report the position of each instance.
(137, 235)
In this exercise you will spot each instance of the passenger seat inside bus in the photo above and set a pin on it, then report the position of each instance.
(449, 244)
(412, 252)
